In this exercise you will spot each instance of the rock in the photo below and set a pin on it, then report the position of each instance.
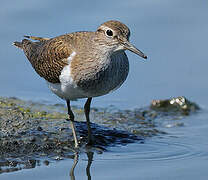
(177, 105)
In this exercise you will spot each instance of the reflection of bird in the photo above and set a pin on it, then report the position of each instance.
(89, 163)
(82, 64)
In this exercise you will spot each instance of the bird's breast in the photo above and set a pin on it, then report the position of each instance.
(101, 77)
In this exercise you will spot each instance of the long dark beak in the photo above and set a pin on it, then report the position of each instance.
(128, 46)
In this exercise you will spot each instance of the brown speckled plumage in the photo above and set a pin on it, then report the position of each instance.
(82, 64)
(48, 57)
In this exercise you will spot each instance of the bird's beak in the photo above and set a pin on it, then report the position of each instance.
(128, 46)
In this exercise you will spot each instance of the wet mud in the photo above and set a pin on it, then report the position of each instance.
(33, 133)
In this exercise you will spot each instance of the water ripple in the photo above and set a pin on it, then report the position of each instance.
(160, 151)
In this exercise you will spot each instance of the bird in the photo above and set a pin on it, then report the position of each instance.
(82, 64)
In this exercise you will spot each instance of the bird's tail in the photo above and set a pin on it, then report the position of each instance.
(18, 44)
(23, 44)
(26, 42)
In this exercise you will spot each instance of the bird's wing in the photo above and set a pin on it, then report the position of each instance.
(48, 56)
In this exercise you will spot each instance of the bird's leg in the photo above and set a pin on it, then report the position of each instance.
(87, 113)
(71, 118)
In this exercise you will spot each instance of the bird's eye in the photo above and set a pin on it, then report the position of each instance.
(109, 32)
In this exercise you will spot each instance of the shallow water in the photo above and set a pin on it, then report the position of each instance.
(174, 36)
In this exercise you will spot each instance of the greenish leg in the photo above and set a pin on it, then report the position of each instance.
(71, 118)
(87, 113)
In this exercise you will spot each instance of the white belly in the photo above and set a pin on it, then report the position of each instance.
(66, 91)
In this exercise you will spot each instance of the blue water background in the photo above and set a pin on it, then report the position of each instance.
(172, 33)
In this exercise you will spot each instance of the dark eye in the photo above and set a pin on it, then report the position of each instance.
(109, 32)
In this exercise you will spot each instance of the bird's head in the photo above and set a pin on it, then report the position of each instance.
(115, 36)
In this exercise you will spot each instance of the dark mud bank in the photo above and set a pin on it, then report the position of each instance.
(30, 132)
